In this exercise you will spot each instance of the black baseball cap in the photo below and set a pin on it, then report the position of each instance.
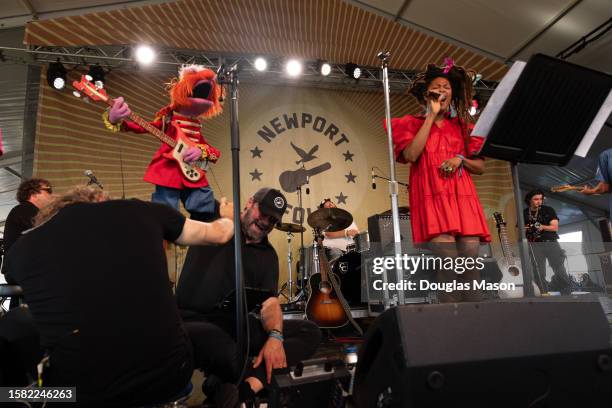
(271, 202)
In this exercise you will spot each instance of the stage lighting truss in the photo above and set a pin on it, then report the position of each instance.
(168, 60)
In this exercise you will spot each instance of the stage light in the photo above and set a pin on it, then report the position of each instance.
(56, 75)
(145, 54)
(325, 69)
(352, 71)
(261, 64)
(96, 73)
(293, 67)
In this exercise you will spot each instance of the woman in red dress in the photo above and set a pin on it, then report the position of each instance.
(444, 206)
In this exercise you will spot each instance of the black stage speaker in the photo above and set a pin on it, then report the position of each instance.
(512, 353)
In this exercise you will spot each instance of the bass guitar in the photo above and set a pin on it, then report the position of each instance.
(192, 172)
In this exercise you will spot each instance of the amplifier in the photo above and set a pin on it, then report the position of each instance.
(380, 230)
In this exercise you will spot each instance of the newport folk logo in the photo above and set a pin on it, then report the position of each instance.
(300, 147)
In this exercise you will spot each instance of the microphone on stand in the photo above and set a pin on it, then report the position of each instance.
(307, 184)
(220, 78)
(373, 180)
(92, 179)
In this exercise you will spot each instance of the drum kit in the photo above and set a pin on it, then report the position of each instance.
(346, 266)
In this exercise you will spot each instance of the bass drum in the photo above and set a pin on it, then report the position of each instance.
(348, 269)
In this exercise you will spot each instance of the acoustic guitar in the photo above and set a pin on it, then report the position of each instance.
(324, 305)
(509, 264)
(192, 172)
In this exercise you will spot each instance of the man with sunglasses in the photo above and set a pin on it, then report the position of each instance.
(32, 195)
(208, 278)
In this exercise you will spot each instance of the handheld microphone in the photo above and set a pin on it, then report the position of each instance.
(373, 180)
(434, 95)
(92, 179)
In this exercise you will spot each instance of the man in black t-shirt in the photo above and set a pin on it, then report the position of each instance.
(541, 227)
(32, 195)
(94, 276)
(208, 278)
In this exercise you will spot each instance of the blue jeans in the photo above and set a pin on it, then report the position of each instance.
(195, 200)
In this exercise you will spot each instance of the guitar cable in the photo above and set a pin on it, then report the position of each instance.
(248, 338)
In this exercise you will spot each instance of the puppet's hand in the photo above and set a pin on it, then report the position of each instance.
(192, 154)
(119, 111)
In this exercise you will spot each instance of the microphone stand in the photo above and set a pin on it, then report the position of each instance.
(230, 76)
(302, 249)
(384, 178)
(393, 185)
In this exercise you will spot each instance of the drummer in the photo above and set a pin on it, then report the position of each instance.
(336, 243)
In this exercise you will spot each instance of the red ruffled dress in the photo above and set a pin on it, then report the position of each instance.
(440, 205)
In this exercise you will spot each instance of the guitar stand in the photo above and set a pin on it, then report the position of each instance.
(289, 284)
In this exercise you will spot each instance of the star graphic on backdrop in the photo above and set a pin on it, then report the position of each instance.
(255, 175)
(348, 156)
(256, 152)
(350, 178)
(341, 199)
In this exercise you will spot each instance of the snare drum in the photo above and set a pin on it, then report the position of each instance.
(362, 242)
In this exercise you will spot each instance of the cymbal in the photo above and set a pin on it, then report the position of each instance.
(289, 227)
(336, 219)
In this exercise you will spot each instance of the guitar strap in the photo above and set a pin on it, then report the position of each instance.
(344, 303)
(165, 121)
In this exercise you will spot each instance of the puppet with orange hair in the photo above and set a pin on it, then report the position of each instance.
(194, 96)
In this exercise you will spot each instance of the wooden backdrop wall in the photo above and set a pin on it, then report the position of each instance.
(345, 125)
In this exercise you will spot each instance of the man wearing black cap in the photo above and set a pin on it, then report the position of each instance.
(207, 279)
(542, 225)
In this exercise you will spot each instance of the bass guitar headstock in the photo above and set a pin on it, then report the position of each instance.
(94, 91)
